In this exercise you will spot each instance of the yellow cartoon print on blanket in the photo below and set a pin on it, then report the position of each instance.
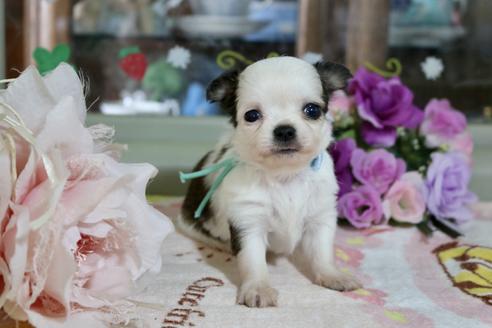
(469, 268)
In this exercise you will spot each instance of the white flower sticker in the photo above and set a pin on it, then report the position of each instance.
(432, 68)
(179, 57)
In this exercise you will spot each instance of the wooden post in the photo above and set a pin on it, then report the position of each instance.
(2, 40)
(309, 36)
(45, 25)
(331, 47)
(367, 35)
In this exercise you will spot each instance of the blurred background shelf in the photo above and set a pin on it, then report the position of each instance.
(458, 32)
(355, 32)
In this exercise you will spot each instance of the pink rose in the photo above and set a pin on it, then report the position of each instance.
(463, 143)
(404, 201)
(340, 104)
(361, 207)
(442, 123)
(77, 229)
(378, 168)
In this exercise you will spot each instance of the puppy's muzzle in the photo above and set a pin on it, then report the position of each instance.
(284, 134)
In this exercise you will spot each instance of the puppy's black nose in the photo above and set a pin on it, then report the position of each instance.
(284, 133)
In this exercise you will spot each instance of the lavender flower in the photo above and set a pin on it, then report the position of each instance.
(446, 187)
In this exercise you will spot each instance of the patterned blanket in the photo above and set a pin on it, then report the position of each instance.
(409, 281)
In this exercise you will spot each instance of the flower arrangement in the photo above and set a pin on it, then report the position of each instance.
(76, 230)
(396, 163)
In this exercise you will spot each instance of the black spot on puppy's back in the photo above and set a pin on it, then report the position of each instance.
(221, 153)
(196, 193)
(194, 196)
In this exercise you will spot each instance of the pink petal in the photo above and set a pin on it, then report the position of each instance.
(151, 227)
(83, 198)
(70, 238)
(59, 278)
(5, 279)
(5, 184)
(92, 319)
(27, 178)
(112, 282)
(64, 131)
(99, 230)
(29, 96)
(15, 242)
(63, 82)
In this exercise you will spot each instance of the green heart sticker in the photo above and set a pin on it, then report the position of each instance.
(48, 61)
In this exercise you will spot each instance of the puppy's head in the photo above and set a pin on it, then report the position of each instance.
(278, 108)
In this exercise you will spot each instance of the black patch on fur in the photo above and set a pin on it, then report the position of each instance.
(333, 77)
(221, 153)
(204, 231)
(235, 239)
(223, 90)
(194, 196)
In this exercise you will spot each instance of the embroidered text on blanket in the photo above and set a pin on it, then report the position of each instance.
(195, 292)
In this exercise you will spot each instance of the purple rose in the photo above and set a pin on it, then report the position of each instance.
(378, 168)
(442, 123)
(361, 207)
(384, 105)
(341, 151)
(446, 187)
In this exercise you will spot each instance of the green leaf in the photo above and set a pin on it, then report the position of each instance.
(425, 228)
(411, 147)
(395, 223)
(348, 134)
(48, 61)
(128, 51)
(448, 229)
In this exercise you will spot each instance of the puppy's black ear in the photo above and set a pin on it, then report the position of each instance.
(333, 76)
(222, 87)
(223, 90)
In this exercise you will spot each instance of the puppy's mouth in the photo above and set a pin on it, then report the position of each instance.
(285, 150)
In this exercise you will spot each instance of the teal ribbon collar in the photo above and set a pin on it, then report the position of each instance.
(226, 166)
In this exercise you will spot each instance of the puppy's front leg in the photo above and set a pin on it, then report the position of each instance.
(317, 248)
(255, 290)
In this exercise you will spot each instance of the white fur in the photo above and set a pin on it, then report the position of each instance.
(277, 201)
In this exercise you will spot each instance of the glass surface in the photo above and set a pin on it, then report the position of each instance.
(181, 42)
(157, 56)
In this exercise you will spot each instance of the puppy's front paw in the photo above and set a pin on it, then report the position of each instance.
(257, 296)
(338, 281)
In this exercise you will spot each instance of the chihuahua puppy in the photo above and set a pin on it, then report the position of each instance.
(281, 195)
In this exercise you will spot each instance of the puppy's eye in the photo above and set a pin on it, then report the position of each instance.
(252, 115)
(312, 111)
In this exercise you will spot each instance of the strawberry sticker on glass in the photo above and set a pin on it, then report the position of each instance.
(133, 62)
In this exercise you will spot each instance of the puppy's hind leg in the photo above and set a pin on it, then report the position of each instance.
(198, 232)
